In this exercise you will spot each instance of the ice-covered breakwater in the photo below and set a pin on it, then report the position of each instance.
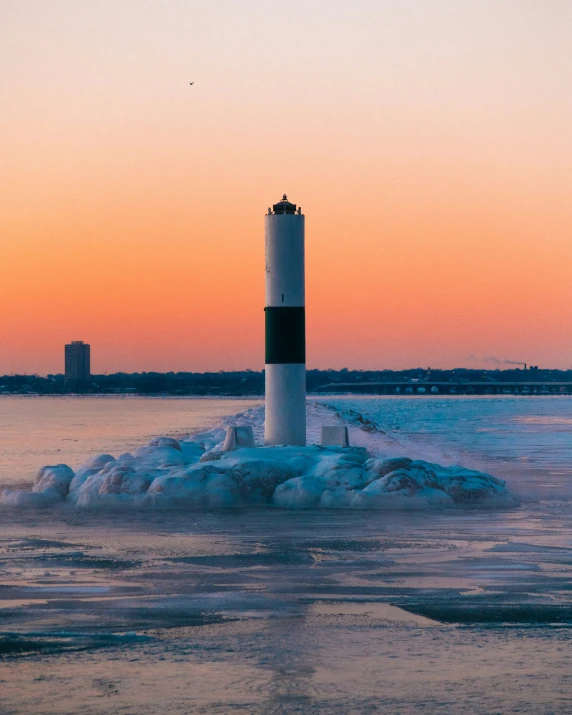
(195, 473)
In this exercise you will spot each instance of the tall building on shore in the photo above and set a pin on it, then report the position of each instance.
(285, 363)
(77, 364)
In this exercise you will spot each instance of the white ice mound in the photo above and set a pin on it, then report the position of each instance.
(54, 480)
(299, 493)
(292, 478)
(51, 485)
(195, 474)
(426, 483)
(92, 466)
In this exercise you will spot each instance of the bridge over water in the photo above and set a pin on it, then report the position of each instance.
(428, 387)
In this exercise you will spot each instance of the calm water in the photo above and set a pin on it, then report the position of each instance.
(272, 611)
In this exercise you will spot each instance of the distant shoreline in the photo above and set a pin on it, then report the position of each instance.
(251, 383)
(311, 395)
(131, 396)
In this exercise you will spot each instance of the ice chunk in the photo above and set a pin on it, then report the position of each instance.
(469, 487)
(191, 451)
(409, 480)
(165, 442)
(340, 467)
(92, 466)
(380, 467)
(338, 498)
(213, 454)
(257, 479)
(221, 491)
(55, 479)
(116, 477)
(118, 481)
(181, 486)
(376, 496)
(299, 493)
(160, 455)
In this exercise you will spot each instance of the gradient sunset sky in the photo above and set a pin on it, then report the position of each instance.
(429, 143)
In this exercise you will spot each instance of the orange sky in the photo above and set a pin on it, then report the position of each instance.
(429, 145)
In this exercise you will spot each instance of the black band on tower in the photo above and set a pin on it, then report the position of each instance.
(285, 335)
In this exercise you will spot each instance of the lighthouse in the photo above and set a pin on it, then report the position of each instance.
(285, 361)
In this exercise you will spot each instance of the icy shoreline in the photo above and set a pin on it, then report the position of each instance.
(195, 473)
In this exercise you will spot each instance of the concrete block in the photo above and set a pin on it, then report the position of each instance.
(236, 437)
(335, 437)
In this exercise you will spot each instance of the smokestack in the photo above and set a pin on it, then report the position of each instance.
(285, 362)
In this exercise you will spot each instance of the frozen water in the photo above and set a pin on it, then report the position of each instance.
(198, 473)
(276, 611)
(281, 610)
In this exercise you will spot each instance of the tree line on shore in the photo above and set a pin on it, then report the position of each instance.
(251, 382)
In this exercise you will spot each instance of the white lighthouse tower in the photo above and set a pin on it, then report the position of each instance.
(285, 368)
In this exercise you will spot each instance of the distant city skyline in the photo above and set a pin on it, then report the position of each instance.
(428, 143)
